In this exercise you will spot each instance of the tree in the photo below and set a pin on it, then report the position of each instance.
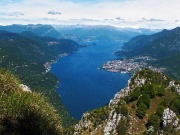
(160, 110)
(122, 127)
(161, 91)
(149, 89)
(145, 99)
(141, 111)
(124, 110)
(134, 95)
(154, 120)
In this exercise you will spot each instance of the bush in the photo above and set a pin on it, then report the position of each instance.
(25, 112)
(165, 102)
(161, 91)
(124, 110)
(154, 120)
(122, 127)
(28, 113)
(175, 104)
(134, 95)
(160, 110)
(141, 111)
(149, 89)
(145, 99)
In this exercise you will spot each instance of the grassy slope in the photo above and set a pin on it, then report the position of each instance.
(25, 112)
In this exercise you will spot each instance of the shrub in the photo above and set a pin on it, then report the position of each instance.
(160, 110)
(141, 110)
(28, 113)
(122, 127)
(161, 91)
(165, 102)
(154, 120)
(25, 112)
(124, 110)
(145, 99)
(134, 95)
(149, 89)
(175, 104)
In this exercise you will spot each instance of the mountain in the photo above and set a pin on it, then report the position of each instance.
(163, 47)
(39, 29)
(95, 33)
(149, 104)
(29, 56)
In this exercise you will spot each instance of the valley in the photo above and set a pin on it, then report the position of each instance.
(70, 79)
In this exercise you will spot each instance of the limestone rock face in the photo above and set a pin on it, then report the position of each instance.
(25, 88)
(114, 118)
(177, 86)
(109, 127)
(169, 117)
(83, 124)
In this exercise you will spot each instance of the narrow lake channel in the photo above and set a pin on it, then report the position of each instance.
(83, 87)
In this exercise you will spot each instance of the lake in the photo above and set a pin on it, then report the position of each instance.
(83, 87)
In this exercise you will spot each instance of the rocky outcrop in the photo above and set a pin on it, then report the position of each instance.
(83, 124)
(169, 117)
(111, 124)
(25, 88)
(114, 118)
(177, 86)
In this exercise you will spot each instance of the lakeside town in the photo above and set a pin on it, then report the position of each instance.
(130, 65)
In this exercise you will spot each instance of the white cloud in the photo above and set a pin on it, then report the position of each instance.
(121, 13)
(54, 13)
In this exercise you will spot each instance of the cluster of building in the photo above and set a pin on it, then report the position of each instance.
(129, 65)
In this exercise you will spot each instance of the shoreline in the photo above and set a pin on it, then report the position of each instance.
(130, 66)
(48, 64)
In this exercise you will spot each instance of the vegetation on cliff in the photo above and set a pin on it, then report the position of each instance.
(139, 108)
(25, 112)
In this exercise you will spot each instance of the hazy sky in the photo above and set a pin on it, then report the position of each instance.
(119, 13)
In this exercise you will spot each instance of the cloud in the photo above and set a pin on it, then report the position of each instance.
(54, 13)
(120, 19)
(120, 13)
(151, 20)
(15, 14)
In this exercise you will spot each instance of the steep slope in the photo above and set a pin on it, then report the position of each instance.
(150, 98)
(29, 56)
(39, 29)
(25, 112)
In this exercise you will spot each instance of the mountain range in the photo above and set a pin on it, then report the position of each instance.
(163, 46)
(39, 29)
(89, 33)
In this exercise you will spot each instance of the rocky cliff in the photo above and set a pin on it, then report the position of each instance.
(124, 114)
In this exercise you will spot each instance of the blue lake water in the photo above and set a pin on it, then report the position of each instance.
(83, 86)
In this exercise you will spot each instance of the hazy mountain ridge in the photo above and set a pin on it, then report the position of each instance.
(39, 29)
(88, 33)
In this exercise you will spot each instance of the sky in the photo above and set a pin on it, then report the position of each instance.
(118, 13)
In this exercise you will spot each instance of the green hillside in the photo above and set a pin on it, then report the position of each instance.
(25, 55)
(162, 47)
